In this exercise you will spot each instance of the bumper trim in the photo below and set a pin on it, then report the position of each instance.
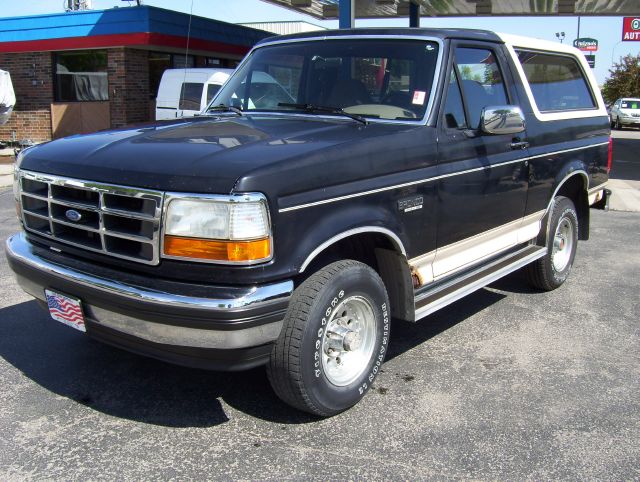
(20, 250)
(251, 318)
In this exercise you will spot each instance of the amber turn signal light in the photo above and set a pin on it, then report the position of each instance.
(216, 250)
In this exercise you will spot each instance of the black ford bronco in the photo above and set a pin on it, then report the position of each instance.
(336, 185)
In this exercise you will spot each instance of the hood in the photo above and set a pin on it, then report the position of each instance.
(203, 154)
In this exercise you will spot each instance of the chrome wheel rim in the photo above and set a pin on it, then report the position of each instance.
(562, 244)
(348, 341)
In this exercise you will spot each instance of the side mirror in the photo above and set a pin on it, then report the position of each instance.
(502, 119)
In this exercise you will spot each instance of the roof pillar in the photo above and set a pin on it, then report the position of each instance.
(347, 13)
(414, 15)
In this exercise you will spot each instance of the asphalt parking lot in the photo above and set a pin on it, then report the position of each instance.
(507, 384)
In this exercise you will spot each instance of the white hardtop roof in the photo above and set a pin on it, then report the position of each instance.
(537, 44)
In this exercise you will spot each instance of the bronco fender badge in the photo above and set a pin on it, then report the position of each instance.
(410, 204)
(73, 215)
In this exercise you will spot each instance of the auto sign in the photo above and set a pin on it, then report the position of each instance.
(586, 44)
(631, 29)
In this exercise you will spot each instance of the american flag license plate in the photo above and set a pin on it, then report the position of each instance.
(65, 310)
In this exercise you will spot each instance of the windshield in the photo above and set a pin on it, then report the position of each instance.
(630, 104)
(377, 78)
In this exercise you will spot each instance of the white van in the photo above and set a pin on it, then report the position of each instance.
(186, 92)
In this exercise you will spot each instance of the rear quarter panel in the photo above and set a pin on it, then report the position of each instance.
(560, 143)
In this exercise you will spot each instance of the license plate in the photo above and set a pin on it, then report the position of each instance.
(65, 310)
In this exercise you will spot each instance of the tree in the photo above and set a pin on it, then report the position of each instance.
(624, 79)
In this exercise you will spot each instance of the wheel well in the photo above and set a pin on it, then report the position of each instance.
(359, 247)
(574, 188)
(381, 253)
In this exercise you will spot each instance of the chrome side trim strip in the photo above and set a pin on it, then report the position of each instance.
(435, 178)
(19, 249)
(351, 232)
(476, 285)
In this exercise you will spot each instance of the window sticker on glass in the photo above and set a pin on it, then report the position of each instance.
(419, 96)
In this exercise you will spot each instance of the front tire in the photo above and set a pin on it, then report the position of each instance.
(552, 270)
(333, 341)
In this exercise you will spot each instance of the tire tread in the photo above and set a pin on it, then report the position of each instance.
(284, 369)
(537, 273)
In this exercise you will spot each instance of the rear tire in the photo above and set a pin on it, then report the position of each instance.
(552, 270)
(333, 341)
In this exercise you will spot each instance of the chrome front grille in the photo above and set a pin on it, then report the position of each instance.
(115, 220)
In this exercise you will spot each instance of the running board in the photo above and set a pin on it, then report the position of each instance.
(430, 300)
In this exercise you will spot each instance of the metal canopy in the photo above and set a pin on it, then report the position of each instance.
(328, 9)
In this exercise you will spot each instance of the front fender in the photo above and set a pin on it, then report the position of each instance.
(312, 230)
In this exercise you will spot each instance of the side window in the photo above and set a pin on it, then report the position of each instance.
(481, 81)
(212, 90)
(557, 82)
(453, 108)
(190, 96)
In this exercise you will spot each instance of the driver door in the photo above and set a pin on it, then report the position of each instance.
(483, 185)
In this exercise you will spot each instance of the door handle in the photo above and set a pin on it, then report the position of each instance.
(519, 145)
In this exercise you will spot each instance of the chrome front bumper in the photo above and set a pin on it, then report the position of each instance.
(242, 317)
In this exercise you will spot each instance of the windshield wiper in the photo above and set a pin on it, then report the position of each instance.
(327, 109)
(225, 108)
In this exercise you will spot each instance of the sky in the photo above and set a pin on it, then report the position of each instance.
(607, 30)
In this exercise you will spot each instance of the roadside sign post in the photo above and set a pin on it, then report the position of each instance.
(587, 45)
(591, 60)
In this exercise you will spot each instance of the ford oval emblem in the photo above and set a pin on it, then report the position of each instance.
(73, 215)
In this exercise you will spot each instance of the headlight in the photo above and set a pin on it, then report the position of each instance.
(232, 229)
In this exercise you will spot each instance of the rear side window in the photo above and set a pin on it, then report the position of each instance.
(557, 82)
(190, 96)
(212, 90)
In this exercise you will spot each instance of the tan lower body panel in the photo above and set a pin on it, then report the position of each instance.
(447, 260)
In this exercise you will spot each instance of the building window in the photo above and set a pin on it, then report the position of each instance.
(184, 61)
(81, 76)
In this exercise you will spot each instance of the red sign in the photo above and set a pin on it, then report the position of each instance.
(631, 29)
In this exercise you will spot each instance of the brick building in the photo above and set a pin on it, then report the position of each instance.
(84, 71)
